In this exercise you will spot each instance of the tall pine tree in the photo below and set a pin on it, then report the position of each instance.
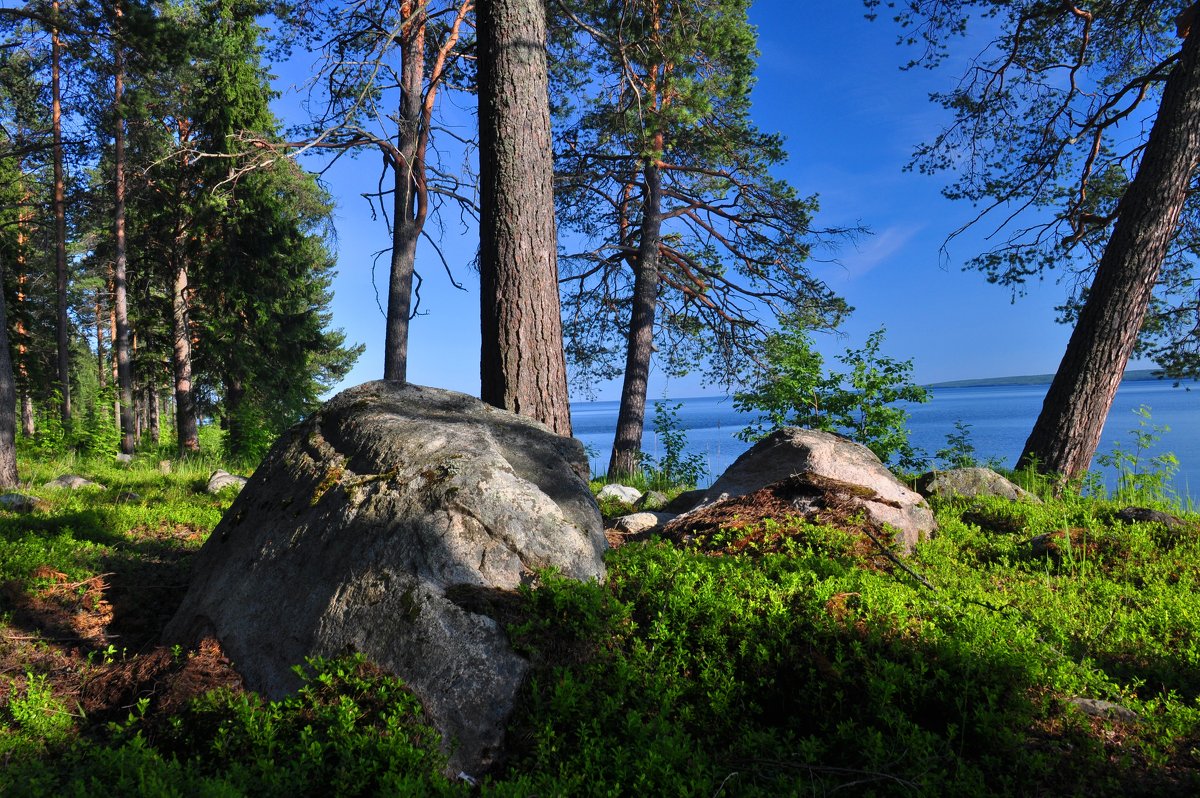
(690, 242)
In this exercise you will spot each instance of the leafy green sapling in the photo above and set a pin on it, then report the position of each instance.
(791, 388)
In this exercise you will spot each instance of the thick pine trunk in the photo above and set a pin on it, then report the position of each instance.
(1067, 431)
(187, 429)
(8, 402)
(120, 292)
(60, 225)
(631, 418)
(406, 220)
(521, 365)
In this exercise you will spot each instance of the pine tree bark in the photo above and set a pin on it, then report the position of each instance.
(100, 365)
(153, 423)
(120, 292)
(187, 430)
(8, 402)
(112, 346)
(631, 418)
(60, 223)
(1067, 432)
(521, 364)
(20, 327)
(407, 213)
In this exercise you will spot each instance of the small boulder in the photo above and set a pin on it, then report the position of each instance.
(72, 482)
(220, 480)
(164, 466)
(824, 470)
(393, 522)
(1045, 544)
(1145, 515)
(1098, 708)
(621, 493)
(641, 522)
(124, 458)
(651, 500)
(971, 482)
(20, 503)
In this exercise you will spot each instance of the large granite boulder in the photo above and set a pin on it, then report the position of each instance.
(822, 470)
(971, 482)
(382, 525)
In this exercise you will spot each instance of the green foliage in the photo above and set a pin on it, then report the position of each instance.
(803, 673)
(33, 721)
(1142, 479)
(960, 450)
(249, 232)
(350, 730)
(674, 469)
(790, 388)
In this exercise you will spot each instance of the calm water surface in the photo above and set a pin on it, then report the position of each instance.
(1000, 419)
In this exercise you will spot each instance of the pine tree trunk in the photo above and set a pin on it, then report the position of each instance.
(1067, 432)
(522, 367)
(8, 402)
(152, 415)
(60, 224)
(140, 416)
(112, 348)
(100, 365)
(235, 441)
(407, 170)
(20, 327)
(631, 418)
(120, 294)
(186, 428)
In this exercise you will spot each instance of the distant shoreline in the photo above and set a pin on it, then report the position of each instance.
(1132, 375)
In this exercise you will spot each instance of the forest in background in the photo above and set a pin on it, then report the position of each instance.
(167, 256)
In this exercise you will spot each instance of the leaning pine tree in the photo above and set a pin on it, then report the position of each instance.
(1048, 127)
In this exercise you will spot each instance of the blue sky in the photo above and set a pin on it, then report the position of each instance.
(829, 81)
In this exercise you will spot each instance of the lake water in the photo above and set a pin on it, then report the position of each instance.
(1000, 416)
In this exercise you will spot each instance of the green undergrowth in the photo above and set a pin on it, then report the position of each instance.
(78, 532)
(802, 668)
(350, 730)
(804, 674)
